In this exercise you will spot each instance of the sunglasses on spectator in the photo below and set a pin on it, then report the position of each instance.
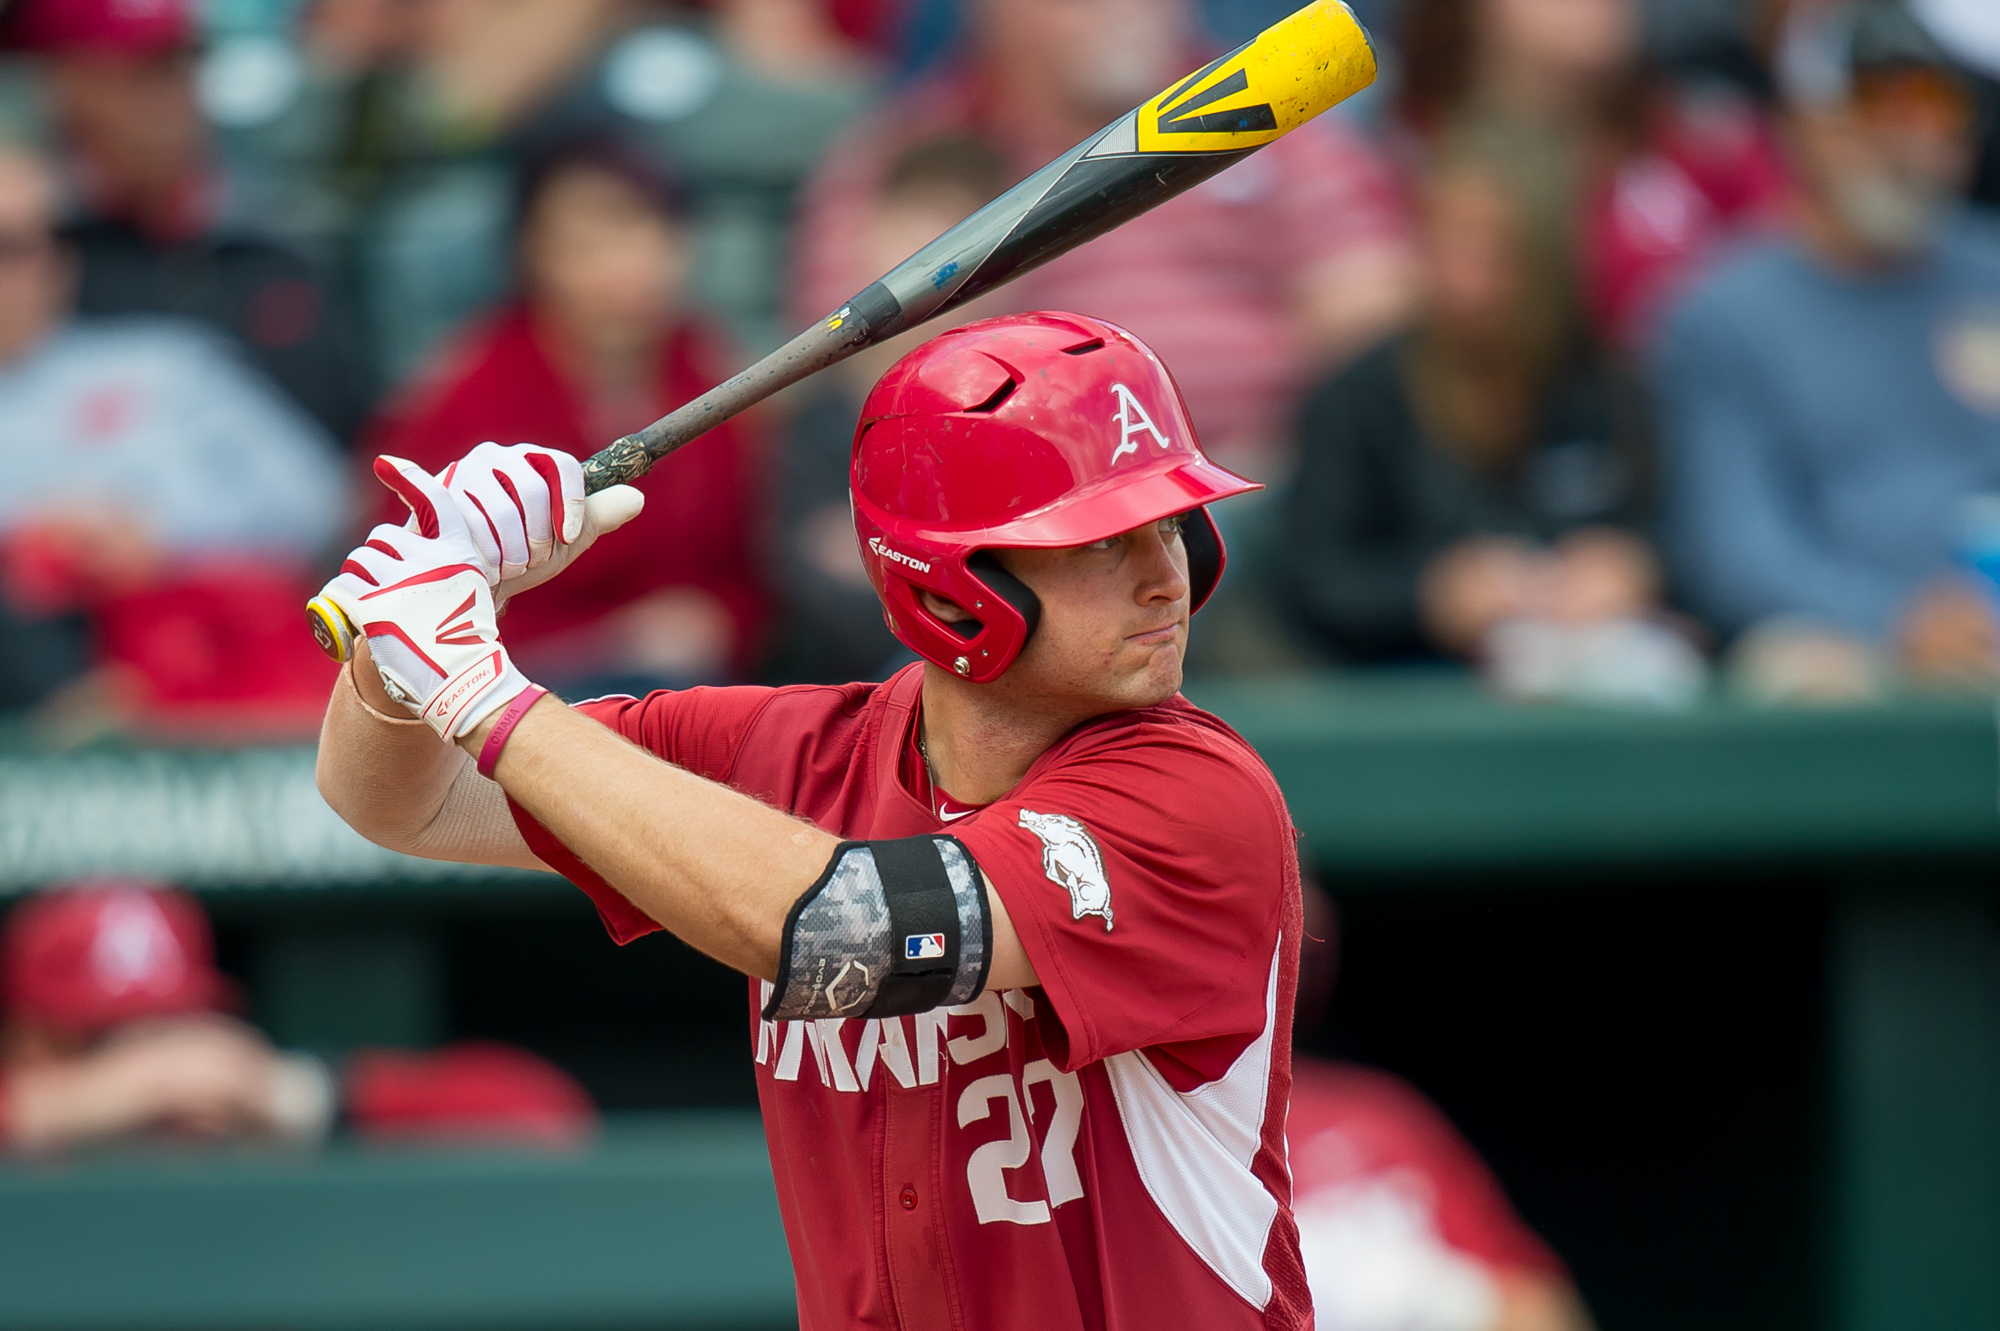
(1914, 98)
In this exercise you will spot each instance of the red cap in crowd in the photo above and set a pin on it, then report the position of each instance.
(97, 955)
(123, 27)
(477, 1090)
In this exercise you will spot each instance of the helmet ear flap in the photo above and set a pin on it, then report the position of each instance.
(977, 649)
(986, 566)
(1205, 556)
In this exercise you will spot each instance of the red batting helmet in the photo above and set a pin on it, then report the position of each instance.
(1029, 431)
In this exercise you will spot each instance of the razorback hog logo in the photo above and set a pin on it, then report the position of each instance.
(897, 556)
(1131, 420)
(1072, 860)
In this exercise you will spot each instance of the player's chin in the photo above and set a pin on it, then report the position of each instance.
(1152, 672)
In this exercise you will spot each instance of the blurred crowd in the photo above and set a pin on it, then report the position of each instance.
(1608, 356)
(117, 1026)
(1593, 357)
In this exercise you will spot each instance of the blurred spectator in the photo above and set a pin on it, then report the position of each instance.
(44, 652)
(1832, 398)
(472, 1091)
(283, 90)
(152, 479)
(444, 90)
(1401, 1224)
(1970, 31)
(1653, 174)
(1245, 285)
(929, 30)
(118, 1025)
(160, 229)
(21, 111)
(745, 98)
(598, 344)
(832, 630)
(877, 26)
(1483, 471)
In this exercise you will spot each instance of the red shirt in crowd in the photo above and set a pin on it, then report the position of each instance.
(1207, 280)
(1105, 1150)
(703, 514)
(1709, 172)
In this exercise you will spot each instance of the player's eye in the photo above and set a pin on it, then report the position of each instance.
(1107, 543)
(1174, 525)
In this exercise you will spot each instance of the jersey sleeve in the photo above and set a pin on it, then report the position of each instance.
(1148, 880)
(701, 730)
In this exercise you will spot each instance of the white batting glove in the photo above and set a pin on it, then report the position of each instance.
(527, 512)
(420, 595)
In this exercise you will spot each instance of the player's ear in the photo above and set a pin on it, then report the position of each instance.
(951, 612)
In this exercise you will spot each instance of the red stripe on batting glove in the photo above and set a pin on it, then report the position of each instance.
(499, 546)
(545, 467)
(388, 628)
(428, 575)
(463, 606)
(507, 484)
(420, 504)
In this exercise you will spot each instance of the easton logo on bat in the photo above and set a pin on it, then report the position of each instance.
(1187, 116)
(1263, 89)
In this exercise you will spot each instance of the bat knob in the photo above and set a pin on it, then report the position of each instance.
(331, 628)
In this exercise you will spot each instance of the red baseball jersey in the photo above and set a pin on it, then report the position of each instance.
(1105, 1150)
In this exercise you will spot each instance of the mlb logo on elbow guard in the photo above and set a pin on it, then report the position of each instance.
(923, 947)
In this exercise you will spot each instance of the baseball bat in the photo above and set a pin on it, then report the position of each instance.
(1202, 124)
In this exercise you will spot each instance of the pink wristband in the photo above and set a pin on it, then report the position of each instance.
(496, 738)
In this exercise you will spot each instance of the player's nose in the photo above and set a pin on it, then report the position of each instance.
(1161, 562)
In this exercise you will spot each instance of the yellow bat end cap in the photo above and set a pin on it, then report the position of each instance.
(330, 628)
(1288, 74)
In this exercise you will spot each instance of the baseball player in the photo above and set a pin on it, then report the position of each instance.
(1021, 924)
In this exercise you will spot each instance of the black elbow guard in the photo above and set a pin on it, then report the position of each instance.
(891, 927)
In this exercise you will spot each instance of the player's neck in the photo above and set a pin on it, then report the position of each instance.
(981, 739)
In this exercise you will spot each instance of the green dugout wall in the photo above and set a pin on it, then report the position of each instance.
(670, 1221)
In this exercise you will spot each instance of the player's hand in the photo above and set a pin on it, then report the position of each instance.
(420, 595)
(1950, 635)
(527, 512)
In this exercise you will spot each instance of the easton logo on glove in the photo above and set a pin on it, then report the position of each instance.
(441, 712)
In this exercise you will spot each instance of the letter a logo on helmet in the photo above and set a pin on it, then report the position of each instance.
(992, 437)
(1132, 419)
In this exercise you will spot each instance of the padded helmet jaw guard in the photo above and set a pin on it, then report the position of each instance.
(1030, 431)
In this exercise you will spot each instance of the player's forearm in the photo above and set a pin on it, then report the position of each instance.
(713, 866)
(396, 783)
